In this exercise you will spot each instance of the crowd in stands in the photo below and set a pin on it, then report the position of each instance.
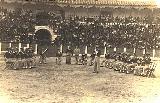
(15, 26)
(115, 31)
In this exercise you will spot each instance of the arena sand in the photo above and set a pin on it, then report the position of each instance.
(51, 83)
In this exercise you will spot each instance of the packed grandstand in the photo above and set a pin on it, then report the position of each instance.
(117, 26)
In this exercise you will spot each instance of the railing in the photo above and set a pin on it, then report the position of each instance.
(154, 53)
(5, 45)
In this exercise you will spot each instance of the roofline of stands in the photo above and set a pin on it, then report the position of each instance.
(145, 5)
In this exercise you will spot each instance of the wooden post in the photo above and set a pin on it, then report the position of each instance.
(125, 49)
(20, 45)
(10, 45)
(0, 48)
(154, 52)
(86, 50)
(36, 49)
(61, 48)
(134, 50)
(105, 50)
(144, 51)
(27, 45)
(115, 49)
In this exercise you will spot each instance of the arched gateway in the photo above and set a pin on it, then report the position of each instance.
(44, 32)
(45, 35)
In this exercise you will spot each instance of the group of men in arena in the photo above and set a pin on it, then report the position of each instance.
(17, 59)
(122, 62)
(82, 60)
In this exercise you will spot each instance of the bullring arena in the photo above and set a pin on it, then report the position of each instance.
(116, 28)
(52, 83)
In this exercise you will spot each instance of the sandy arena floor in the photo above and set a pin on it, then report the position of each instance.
(51, 83)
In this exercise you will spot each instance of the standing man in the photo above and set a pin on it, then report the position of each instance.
(17, 59)
(7, 59)
(97, 61)
(92, 58)
(43, 56)
(30, 54)
(21, 55)
(58, 57)
(68, 55)
(77, 52)
(33, 57)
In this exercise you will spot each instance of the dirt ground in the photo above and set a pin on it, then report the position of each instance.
(51, 83)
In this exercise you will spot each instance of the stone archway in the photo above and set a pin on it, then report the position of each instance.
(45, 36)
(47, 28)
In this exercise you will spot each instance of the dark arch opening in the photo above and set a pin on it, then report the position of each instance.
(43, 37)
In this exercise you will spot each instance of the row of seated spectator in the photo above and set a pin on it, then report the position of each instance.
(130, 64)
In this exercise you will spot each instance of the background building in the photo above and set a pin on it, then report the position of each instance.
(91, 8)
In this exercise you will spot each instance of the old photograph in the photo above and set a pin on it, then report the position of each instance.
(79, 51)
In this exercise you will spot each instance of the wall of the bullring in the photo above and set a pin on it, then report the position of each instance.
(90, 11)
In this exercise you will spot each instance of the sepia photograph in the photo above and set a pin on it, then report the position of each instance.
(79, 51)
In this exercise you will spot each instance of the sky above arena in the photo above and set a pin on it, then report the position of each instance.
(157, 1)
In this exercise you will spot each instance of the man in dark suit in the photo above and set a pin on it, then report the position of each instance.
(97, 61)
(68, 55)
(58, 57)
